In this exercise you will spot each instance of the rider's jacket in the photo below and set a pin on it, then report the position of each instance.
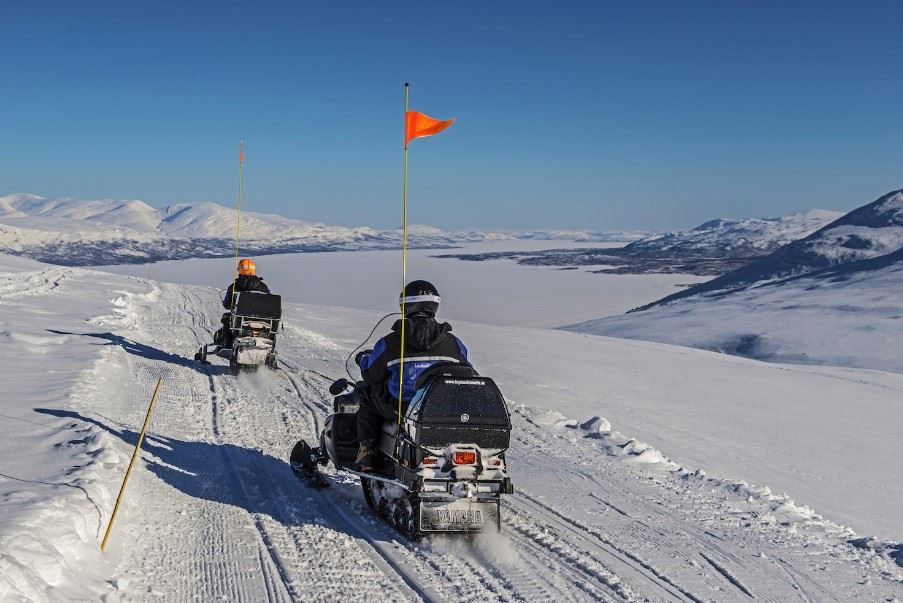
(244, 282)
(427, 342)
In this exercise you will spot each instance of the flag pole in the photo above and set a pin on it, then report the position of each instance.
(404, 251)
(241, 162)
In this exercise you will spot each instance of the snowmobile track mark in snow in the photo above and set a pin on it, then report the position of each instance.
(727, 575)
(607, 546)
(23, 284)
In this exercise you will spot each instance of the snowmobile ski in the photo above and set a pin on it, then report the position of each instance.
(311, 478)
(304, 461)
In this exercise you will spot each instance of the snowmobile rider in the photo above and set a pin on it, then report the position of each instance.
(427, 342)
(247, 280)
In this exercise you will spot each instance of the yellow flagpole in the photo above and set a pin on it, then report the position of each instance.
(128, 471)
(241, 162)
(404, 254)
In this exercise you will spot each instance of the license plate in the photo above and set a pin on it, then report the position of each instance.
(458, 515)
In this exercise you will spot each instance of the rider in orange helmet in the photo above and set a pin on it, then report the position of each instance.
(247, 281)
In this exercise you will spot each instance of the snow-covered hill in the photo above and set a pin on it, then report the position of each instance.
(750, 237)
(96, 232)
(712, 248)
(867, 233)
(213, 512)
(833, 297)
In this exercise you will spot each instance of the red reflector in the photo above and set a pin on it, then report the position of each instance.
(467, 457)
(429, 460)
(495, 462)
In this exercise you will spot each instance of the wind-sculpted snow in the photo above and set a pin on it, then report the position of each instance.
(213, 512)
(74, 232)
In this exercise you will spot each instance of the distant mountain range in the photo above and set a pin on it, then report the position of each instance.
(712, 248)
(95, 232)
(834, 296)
(864, 239)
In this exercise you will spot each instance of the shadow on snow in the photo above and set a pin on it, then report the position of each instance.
(149, 352)
(223, 473)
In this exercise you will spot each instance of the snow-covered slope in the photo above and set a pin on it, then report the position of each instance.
(713, 248)
(834, 297)
(108, 231)
(749, 237)
(212, 511)
(869, 232)
(850, 319)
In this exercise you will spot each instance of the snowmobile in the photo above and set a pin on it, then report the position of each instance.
(253, 321)
(442, 470)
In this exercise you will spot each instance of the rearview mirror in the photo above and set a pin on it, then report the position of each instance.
(338, 387)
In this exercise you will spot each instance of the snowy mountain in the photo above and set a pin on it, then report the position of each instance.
(847, 244)
(749, 237)
(833, 297)
(643, 472)
(83, 233)
(712, 248)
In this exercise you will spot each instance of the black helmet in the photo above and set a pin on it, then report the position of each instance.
(420, 297)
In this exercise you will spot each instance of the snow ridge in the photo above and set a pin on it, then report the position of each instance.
(849, 244)
(109, 231)
(744, 237)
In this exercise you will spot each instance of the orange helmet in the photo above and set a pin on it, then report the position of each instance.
(247, 267)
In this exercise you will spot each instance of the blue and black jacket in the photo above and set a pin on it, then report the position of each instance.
(427, 342)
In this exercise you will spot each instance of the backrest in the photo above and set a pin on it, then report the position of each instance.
(448, 368)
(258, 305)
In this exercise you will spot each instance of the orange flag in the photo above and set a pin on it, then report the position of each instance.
(241, 152)
(417, 125)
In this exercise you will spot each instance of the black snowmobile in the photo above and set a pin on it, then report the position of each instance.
(442, 470)
(253, 322)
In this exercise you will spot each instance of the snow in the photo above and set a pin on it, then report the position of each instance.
(500, 292)
(865, 234)
(853, 320)
(90, 232)
(745, 236)
(820, 300)
(643, 471)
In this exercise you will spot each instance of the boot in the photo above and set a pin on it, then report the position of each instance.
(366, 458)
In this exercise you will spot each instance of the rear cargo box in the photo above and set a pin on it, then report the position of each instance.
(460, 410)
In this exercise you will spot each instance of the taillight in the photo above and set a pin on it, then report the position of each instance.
(465, 457)
(429, 460)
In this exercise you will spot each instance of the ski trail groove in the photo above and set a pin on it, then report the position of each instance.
(609, 547)
(727, 575)
(239, 486)
(23, 284)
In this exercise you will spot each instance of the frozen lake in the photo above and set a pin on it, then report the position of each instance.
(497, 292)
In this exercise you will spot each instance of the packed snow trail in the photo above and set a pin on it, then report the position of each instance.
(215, 513)
(308, 540)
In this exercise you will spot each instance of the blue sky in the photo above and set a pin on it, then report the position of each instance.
(590, 115)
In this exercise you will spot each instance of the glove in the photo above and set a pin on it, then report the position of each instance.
(360, 355)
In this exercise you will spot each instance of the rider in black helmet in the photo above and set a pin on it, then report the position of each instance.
(427, 342)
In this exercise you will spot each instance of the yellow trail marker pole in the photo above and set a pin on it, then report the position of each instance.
(128, 471)
(404, 255)
(241, 162)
